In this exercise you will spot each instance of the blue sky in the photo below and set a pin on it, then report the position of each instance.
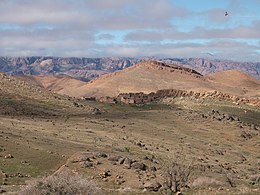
(131, 28)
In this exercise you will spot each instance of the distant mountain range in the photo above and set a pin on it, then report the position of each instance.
(89, 68)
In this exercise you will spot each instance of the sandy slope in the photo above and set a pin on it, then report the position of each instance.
(63, 85)
(146, 78)
(235, 81)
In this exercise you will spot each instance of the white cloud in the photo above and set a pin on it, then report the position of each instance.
(152, 27)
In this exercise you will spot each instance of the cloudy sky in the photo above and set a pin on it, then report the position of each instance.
(131, 28)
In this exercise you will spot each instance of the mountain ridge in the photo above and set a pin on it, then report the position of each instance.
(151, 76)
(89, 68)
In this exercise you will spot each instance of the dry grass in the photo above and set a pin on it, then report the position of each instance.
(61, 184)
(45, 143)
(203, 181)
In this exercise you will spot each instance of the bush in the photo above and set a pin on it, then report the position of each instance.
(61, 184)
(177, 175)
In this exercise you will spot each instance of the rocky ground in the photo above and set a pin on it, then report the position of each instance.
(188, 144)
(130, 149)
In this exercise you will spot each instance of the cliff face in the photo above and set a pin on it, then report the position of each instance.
(89, 68)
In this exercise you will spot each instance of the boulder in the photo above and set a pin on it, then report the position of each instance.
(138, 166)
(127, 163)
(101, 155)
(114, 158)
(152, 186)
(86, 164)
(121, 160)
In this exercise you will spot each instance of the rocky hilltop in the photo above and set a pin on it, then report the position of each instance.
(147, 76)
(151, 76)
(89, 68)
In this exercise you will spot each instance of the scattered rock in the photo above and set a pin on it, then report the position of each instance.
(152, 169)
(245, 135)
(253, 127)
(140, 144)
(121, 160)
(101, 155)
(254, 179)
(3, 174)
(138, 166)
(127, 163)
(114, 158)
(97, 111)
(86, 164)
(152, 186)
(119, 181)
(2, 191)
(7, 156)
(105, 174)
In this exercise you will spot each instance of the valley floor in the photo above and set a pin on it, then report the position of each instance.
(219, 140)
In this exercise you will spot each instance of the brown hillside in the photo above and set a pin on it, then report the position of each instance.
(236, 80)
(33, 80)
(145, 77)
(151, 76)
(63, 85)
(21, 98)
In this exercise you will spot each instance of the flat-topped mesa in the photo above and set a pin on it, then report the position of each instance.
(169, 67)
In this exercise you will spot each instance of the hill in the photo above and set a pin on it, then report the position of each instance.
(234, 78)
(151, 76)
(236, 81)
(21, 98)
(63, 85)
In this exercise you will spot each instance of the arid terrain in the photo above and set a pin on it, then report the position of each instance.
(150, 76)
(212, 144)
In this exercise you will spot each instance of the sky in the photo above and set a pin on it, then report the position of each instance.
(131, 28)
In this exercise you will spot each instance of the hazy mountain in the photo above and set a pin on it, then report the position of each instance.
(207, 66)
(89, 68)
(82, 68)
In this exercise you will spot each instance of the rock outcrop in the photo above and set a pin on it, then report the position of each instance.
(170, 68)
(142, 98)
